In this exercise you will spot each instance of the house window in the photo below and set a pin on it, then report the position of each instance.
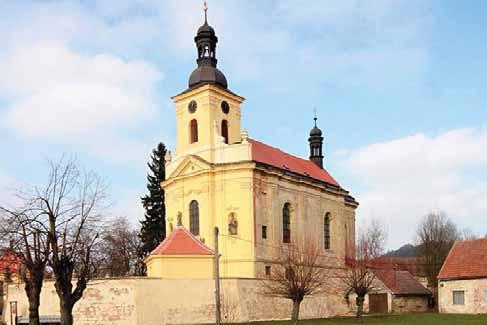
(225, 130)
(286, 223)
(459, 297)
(194, 218)
(193, 126)
(268, 270)
(326, 231)
(264, 232)
(485, 296)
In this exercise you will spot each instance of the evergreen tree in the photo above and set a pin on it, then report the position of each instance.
(153, 229)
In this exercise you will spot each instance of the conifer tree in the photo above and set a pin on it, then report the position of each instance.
(153, 229)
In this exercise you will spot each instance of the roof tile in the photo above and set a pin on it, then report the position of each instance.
(181, 242)
(467, 260)
(275, 157)
(401, 282)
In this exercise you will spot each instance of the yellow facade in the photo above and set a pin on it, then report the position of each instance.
(180, 266)
(213, 180)
(228, 185)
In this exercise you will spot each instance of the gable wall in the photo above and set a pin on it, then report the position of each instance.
(220, 191)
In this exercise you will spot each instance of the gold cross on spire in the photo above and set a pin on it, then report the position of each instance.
(205, 8)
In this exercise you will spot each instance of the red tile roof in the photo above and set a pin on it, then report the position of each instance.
(467, 260)
(400, 282)
(181, 242)
(9, 262)
(275, 157)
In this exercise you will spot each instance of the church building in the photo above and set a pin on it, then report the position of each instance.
(260, 197)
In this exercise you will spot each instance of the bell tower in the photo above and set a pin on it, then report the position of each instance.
(207, 113)
(316, 145)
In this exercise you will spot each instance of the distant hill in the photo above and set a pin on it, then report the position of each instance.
(407, 250)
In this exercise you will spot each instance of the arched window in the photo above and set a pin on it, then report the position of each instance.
(326, 231)
(225, 130)
(193, 126)
(286, 223)
(194, 218)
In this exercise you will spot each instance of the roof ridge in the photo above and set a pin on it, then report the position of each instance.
(277, 148)
(276, 157)
(196, 240)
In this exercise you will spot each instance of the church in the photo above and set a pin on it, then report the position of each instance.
(260, 197)
(262, 200)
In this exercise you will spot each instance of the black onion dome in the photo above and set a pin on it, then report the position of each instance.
(207, 74)
(205, 28)
(315, 132)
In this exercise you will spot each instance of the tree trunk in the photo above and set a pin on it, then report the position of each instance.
(295, 314)
(34, 313)
(66, 314)
(33, 290)
(360, 306)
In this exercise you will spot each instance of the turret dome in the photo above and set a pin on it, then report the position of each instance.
(206, 72)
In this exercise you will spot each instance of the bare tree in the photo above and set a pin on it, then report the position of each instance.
(122, 249)
(435, 235)
(73, 203)
(24, 230)
(359, 279)
(298, 274)
(467, 234)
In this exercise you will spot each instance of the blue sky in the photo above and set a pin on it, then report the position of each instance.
(399, 87)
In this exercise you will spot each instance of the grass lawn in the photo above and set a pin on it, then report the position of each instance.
(416, 319)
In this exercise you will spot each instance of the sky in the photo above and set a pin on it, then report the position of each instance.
(399, 89)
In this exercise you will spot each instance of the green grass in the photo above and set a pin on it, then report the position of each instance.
(414, 319)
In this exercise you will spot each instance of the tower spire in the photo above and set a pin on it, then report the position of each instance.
(206, 72)
(205, 9)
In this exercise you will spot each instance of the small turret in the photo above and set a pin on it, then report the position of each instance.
(316, 145)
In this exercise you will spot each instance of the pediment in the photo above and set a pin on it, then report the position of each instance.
(190, 165)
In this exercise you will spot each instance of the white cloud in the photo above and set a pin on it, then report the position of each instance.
(406, 178)
(57, 93)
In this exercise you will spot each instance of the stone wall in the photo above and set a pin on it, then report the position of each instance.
(409, 304)
(475, 293)
(146, 301)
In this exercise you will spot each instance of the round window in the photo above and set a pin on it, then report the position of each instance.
(225, 107)
(192, 106)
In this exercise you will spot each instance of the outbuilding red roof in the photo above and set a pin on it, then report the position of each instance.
(400, 282)
(467, 260)
(275, 157)
(181, 242)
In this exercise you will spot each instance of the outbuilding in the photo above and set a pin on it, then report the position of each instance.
(398, 291)
(462, 281)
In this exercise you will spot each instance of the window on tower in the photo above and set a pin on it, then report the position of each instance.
(286, 223)
(225, 130)
(193, 126)
(194, 218)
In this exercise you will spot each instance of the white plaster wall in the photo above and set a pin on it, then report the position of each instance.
(146, 301)
(475, 296)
